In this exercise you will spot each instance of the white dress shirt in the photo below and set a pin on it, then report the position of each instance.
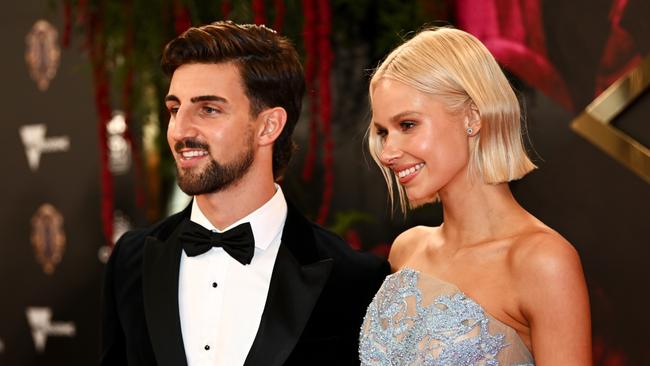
(220, 300)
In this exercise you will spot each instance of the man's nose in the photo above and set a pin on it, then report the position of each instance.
(181, 126)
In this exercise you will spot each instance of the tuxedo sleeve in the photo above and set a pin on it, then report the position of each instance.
(113, 349)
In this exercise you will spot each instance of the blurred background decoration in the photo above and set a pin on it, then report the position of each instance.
(124, 39)
(85, 128)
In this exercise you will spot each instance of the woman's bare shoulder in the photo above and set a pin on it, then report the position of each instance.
(408, 243)
(541, 247)
(543, 257)
(552, 295)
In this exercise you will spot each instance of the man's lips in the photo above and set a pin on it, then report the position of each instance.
(188, 154)
(190, 158)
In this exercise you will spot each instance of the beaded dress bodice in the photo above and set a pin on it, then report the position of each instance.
(416, 319)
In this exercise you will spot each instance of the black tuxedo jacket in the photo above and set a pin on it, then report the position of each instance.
(318, 294)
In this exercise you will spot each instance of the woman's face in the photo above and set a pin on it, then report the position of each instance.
(424, 145)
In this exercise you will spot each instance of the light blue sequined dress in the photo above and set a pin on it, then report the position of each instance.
(417, 319)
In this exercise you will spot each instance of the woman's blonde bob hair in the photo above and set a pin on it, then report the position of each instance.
(459, 70)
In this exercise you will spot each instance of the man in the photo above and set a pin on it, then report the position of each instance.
(297, 295)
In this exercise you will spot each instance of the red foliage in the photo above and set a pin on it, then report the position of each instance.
(182, 20)
(607, 356)
(317, 75)
(258, 12)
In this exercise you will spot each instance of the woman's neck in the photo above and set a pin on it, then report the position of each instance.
(479, 212)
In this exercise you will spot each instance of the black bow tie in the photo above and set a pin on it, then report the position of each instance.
(238, 242)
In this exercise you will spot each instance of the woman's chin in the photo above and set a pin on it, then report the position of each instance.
(415, 202)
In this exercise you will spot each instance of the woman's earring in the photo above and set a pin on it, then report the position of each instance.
(469, 131)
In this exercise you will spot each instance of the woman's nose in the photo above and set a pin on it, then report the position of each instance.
(390, 152)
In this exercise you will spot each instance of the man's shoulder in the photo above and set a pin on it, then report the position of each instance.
(333, 246)
(330, 241)
(132, 242)
(329, 244)
(355, 276)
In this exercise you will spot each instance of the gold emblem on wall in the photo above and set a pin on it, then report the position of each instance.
(595, 122)
(48, 237)
(43, 53)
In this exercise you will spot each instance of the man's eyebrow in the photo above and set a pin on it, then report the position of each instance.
(171, 98)
(208, 98)
(200, 98)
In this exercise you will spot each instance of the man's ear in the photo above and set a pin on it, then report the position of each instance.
(473, 120)
(273, 121)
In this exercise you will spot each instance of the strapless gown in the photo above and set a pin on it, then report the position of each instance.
(417, 319)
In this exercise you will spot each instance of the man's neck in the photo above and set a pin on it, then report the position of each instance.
(226, 207)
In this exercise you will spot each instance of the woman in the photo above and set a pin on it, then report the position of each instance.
(492, 285)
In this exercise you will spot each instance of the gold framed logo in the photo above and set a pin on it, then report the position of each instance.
(595, 122)
(43, 53)
(48, 237)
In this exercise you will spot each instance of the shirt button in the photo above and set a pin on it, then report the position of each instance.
(214, 284)
(207, 347)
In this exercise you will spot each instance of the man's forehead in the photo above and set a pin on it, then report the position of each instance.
(202, 82)
(207, 70)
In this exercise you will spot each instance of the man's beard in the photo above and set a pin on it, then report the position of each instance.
(215, 177)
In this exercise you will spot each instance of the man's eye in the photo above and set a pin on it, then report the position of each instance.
(173, 110)
(210, 110)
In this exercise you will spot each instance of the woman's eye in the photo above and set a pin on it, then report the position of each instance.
(381, 132)
(406, 125)
(173, 110)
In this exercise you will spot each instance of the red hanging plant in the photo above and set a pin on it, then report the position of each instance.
(309, 38)
(182, 19)
(280, 9)
(127, 96)
(258, 12)
(318, 49)
(96, 47)
(67, 23)
(226, 8)
(325, 99)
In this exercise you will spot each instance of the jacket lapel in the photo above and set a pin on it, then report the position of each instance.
(298, 278)
(160, 287)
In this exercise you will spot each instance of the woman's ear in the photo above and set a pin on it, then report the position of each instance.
(472, 120)
(273, 121)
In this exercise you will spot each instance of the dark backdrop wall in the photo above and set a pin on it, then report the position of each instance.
(51, 257)
(50, 198)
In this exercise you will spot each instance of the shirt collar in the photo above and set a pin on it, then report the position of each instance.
(266, 222)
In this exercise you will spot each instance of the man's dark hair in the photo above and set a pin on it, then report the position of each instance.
(268, 65)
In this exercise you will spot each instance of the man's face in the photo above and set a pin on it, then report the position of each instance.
(211, 131)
